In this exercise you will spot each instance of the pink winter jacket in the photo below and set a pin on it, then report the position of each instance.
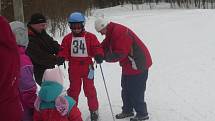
(27, 85)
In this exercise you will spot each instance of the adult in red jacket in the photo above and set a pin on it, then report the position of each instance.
(10, 105)
(78, 47)
(135, 60)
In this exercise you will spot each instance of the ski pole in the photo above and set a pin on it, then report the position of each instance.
(107, 91)
(64, 65)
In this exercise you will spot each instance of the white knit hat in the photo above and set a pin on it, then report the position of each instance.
(54, 75)
(20, 32)
(100, 24)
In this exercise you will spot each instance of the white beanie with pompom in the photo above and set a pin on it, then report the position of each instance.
(101, 23)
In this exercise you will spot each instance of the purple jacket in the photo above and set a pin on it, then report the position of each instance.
(27, 85)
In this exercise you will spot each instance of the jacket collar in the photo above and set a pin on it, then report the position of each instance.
(82, 34)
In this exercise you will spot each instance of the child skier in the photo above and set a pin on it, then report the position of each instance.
(27, 85)
(78, 47)
(50, 105)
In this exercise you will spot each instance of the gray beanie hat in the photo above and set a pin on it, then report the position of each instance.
(20, 32)
(101, 23)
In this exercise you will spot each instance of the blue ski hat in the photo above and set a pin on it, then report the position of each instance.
(76, 17)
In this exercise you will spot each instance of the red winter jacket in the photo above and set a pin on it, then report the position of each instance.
(122, 44)
(10, 106)
(93, 48)
(54, 115)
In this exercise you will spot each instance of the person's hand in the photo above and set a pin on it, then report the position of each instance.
(99, 59)
(60, 61)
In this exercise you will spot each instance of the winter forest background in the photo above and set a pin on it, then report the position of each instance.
(58, 10)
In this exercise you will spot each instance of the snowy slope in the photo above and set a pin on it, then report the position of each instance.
(181, 81)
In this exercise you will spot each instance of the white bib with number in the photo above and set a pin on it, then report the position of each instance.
(79, 47)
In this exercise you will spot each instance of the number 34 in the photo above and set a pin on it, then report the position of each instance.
(78, 46)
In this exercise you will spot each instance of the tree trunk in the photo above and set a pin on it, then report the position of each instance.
(0, 7)
(18, 10)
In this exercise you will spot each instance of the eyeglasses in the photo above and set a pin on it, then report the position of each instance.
(74, 26)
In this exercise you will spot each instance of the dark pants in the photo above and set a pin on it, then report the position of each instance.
(38, 74)
(133, 93)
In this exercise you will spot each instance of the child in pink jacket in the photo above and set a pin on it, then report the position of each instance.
(27, 84)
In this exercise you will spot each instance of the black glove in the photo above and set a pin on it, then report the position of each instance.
(60, 61)
(99, 59)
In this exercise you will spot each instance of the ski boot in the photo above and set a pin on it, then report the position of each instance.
(94, 115)
(139, 118)
(124, 115)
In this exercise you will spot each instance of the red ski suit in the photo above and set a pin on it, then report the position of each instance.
(10, 105)
(79, 52)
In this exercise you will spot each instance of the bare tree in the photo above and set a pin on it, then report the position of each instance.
(0, 7)
(212, 4)
(57, 11)
(18, 10)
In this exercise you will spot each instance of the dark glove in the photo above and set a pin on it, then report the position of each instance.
(60, 61)
(99, 59)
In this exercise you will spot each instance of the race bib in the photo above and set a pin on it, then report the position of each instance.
(79, 47)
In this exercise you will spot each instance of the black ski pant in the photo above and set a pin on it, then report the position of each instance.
(133, 93)
(38, 74)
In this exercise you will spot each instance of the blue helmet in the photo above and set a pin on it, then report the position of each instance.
(76, 17)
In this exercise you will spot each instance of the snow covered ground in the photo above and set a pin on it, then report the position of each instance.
(181, 83)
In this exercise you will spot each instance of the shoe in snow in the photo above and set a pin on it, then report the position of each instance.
(124, 115)
(94, 115)
(139, 118)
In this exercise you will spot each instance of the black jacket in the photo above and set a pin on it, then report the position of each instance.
(42, 49)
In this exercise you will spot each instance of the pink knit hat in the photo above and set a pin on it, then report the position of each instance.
(54, 74)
